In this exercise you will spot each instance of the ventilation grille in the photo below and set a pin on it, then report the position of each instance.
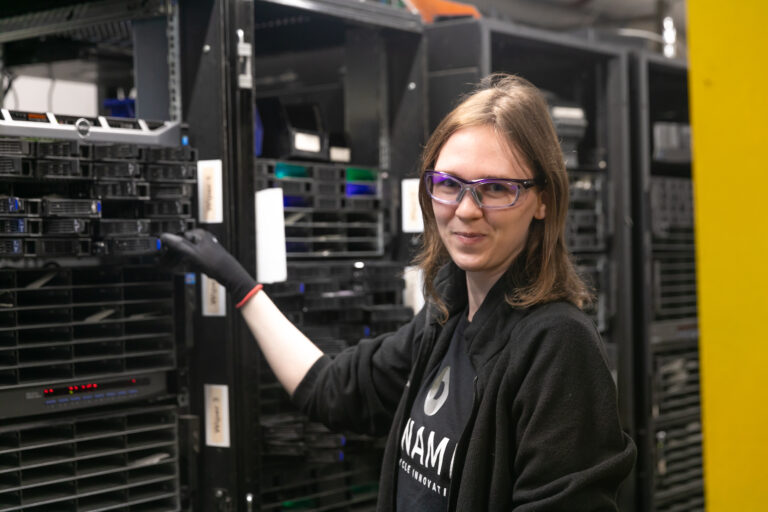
(317, 487)
(587, 223)
(181, 153)
(676, 383)
(679, 474)
(72, 323)
(677, 412)
(15, 146)
(116, 461)
(693, 503)
(672, 214)
(674, 286)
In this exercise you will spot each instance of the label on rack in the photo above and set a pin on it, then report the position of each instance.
(217, 415)
(271, 262)
(411, 210)
(214, 297)
(339, 154)
(307, 142)
(210, 192)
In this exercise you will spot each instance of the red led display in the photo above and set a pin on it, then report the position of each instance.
(88, 387)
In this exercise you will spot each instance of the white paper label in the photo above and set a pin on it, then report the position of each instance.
(210, 192)
(411, 211)
(340, 154)
(306, 142)
(568, 112)
(217, 415)
(214, 297)
(271, 262)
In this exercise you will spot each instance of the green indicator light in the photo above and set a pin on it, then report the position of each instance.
(358, 174)
(299, 504)
(283, 170)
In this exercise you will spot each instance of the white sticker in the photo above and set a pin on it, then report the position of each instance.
(306, 142)
(411, 211)
(271, 262)
(568, 112)
(340, 154)
(210, 192)
(214, 297)
(217, 415)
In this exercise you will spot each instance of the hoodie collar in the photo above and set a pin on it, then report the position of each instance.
(483, 335)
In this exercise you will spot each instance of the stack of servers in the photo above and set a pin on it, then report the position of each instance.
(331, 210)
(335, 303)
(676, 407)
(587, 228)
(62, 198)
(88, 324)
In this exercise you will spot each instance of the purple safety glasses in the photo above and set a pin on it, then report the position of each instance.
(487, 193)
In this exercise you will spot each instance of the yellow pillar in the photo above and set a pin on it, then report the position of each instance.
(728, 59)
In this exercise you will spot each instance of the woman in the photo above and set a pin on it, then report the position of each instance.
(496, 396)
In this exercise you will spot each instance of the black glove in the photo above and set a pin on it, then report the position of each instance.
(201, 249)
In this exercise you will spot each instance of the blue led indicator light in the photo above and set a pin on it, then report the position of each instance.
(87, 397)
(341, 456)
(133, 391)
(50, 402)
(99, 395)
(110, 394)
(302, 287)
(185, 140)
(159, 244)
(98, 206)
(366, 331)
(122, 393)
(21, 226)
(15, 205)
(190, 278)
(63, 400)
(75, 398)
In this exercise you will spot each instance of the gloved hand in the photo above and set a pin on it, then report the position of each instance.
(201, 249)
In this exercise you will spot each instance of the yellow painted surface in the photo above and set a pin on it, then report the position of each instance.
(728, 59)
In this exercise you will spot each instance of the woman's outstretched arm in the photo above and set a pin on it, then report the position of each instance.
(288, 351)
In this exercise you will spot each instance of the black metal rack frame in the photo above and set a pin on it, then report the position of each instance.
(593, 76)
(666, 327)
(95, 339)
(363, 65)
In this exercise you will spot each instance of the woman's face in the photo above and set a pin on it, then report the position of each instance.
(484, 242)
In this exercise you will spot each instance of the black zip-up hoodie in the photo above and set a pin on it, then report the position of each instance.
(544, 431)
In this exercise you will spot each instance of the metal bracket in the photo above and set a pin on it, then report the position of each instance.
(100, 129)
(244, 62)
(174, 62)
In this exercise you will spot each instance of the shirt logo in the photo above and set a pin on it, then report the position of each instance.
(438, 392)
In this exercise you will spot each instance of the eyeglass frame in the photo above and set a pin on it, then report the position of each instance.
(472, 185)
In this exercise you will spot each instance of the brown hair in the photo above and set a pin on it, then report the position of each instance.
(518, 112)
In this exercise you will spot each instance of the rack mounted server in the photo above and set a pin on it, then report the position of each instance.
(89, 324)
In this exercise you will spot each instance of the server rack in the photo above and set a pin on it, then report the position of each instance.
(96, 338)
(356, 70)
(229, 50)
(90, 326)
(668, 414)
(589, 82)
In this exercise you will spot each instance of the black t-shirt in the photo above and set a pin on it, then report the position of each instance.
(437, 420)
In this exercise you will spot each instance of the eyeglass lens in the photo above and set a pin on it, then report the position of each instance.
(493, 193)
